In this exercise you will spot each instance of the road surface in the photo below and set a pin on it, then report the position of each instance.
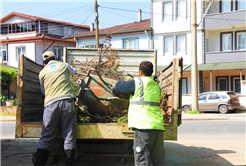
(199, 143)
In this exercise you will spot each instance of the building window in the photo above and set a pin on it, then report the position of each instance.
(130, 43)
(93, 46)
(3, 53)
(241, 5)
(168, 45)
(4, 30)
(236, 83)
(241, 40)
(44, 27)
(58, 53)
(226, 41)
(68, 31)
(167, 10)
(207, 45)
(181, 44)
(184, 86)
(181, 9)
(20, 51)
(18, 28)
(226, 6)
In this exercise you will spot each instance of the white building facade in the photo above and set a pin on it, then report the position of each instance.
(27, 35)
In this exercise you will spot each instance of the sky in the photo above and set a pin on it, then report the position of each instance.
(80, 11)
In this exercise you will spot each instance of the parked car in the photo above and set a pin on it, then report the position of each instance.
(222, 101)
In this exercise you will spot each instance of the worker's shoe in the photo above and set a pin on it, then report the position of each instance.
(69, 156)
(41, 157)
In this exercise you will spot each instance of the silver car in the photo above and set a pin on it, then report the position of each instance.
(222, 101)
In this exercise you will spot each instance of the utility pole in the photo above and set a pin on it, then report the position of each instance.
(96, 20)
(194, 85)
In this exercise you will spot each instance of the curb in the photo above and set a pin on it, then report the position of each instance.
(7, 120)
(204, 119)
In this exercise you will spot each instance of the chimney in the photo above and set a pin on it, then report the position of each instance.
(139, 15)
(92, 27)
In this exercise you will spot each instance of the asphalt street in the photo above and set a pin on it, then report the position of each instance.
(210, 142)
(221, 130)
(212, 131)
(7, 130)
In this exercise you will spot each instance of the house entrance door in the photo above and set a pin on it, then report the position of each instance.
(223, 84)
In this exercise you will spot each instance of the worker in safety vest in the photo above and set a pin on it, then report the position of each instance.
(144, 116)
(59, 109)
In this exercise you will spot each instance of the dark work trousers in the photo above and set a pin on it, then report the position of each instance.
(62, 114)
(148, 148)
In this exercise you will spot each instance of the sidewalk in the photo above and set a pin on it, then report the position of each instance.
(239, 115)
(7, 118)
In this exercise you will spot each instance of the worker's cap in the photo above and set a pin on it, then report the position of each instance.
(48, 54)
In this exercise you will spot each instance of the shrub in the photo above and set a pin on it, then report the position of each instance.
(8, 75)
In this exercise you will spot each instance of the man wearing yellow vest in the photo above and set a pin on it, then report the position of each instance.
(144, 116)
(59, 109)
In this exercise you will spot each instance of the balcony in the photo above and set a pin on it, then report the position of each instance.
(227, 19)
(223, 57)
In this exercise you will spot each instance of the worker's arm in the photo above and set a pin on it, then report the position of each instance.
(41, 86)
(71, 69)
(125, 87)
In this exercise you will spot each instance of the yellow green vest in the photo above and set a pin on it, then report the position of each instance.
(144, 108)
(56, 79)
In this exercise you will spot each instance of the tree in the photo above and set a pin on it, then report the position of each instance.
(8, 75)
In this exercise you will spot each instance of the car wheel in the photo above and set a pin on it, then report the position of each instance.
(223, 109)
(186, 108)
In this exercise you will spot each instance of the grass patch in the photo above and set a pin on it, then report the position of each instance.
(7, 114)
(193, 112)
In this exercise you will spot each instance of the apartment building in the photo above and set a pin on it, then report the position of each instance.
(225, 40)
(220, 41)
(170, 21)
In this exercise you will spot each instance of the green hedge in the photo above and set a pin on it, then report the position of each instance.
(8, 75)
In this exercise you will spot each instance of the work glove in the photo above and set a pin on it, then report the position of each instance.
(114, 92)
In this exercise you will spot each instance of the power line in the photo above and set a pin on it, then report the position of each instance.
(164, 14)
(119, 14)
(62, 11)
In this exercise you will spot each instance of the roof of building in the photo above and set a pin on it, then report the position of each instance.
(133, 27)
(213, 66)
(219, 66)
(39, 38)
(35, 18)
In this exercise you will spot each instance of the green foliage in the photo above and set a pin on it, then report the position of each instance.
(74, 88)
(85, 119)
(7, 75)
(193, 112)
(2, 98)
(117, 65)
(7, 114)
(122, 119)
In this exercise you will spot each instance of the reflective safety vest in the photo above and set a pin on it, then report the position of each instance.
(144, 108)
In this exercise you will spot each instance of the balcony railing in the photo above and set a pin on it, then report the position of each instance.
(225, 19)
(223, 57)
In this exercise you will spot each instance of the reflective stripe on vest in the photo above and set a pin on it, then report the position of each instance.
(141, 101)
